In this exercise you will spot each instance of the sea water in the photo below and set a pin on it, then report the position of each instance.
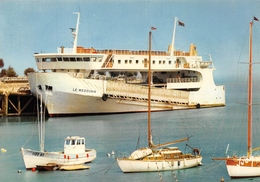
(210, 129)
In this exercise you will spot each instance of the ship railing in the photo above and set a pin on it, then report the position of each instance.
(137, 90)
(131, 52)
(121, 52)
(182, 80)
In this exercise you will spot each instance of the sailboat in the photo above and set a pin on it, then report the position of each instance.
(75, 152)
(248, 166)
(158, 157)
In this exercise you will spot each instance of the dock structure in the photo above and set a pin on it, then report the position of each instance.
(16, 98)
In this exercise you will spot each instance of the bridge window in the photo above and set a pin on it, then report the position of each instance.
(78, 142)
(46, 59)
(73, 142)
(59, 59)
(160, 62)
(73, 59)
(67, 142)
(136, 61)
(79, 59)
(163, 61)
(119, 61)
(126, 61)
(170, 62)
(86, 59)
(130, 61)
(153, 61)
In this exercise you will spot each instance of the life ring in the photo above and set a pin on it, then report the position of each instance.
(195, 152)
(104, 97)
(246, 160)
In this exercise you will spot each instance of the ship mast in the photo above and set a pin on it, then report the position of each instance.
(75, 34)
(149, 93)
(249, 127)
(42, 133)
(173, 36)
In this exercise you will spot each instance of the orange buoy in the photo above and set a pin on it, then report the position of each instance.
(68, 157)
(87, 155)
(33, 169)
(77, 156)
(65, 156)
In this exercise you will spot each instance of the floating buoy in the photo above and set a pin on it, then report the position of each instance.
(112, 153)
(108, 154)
(3, 150)
(19, 171)
(33, 169)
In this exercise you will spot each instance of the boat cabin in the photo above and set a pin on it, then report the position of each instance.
(74, 145)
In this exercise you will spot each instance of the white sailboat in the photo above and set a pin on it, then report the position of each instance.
(75, 152)
(154, 157)
(247, 166)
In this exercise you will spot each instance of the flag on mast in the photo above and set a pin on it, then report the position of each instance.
(153, 28)
(256, 19)
(181, 23)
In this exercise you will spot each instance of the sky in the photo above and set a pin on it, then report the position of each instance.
(217, 27)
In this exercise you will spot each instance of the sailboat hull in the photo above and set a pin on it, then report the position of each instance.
(33, 158)
(243, 167)
(130, 165)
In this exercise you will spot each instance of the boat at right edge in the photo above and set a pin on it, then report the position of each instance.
(246, 166)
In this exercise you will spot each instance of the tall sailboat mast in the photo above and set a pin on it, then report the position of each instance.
(249, 128)
(42, 126)
(149, 92)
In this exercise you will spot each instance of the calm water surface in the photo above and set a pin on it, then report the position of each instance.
(211, 130)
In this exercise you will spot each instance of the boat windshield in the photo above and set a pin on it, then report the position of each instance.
(70, 142)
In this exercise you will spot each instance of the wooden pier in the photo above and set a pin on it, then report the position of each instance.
(16, 98)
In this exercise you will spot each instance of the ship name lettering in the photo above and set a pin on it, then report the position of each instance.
(87, 90)
(38, 154)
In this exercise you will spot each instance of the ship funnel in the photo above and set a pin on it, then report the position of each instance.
(193, 51)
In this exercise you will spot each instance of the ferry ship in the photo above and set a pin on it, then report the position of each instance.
(76, 81)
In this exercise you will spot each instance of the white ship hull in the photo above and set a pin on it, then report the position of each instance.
(67, 95)
(129, 165)
(33, 158)
(243, 167)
